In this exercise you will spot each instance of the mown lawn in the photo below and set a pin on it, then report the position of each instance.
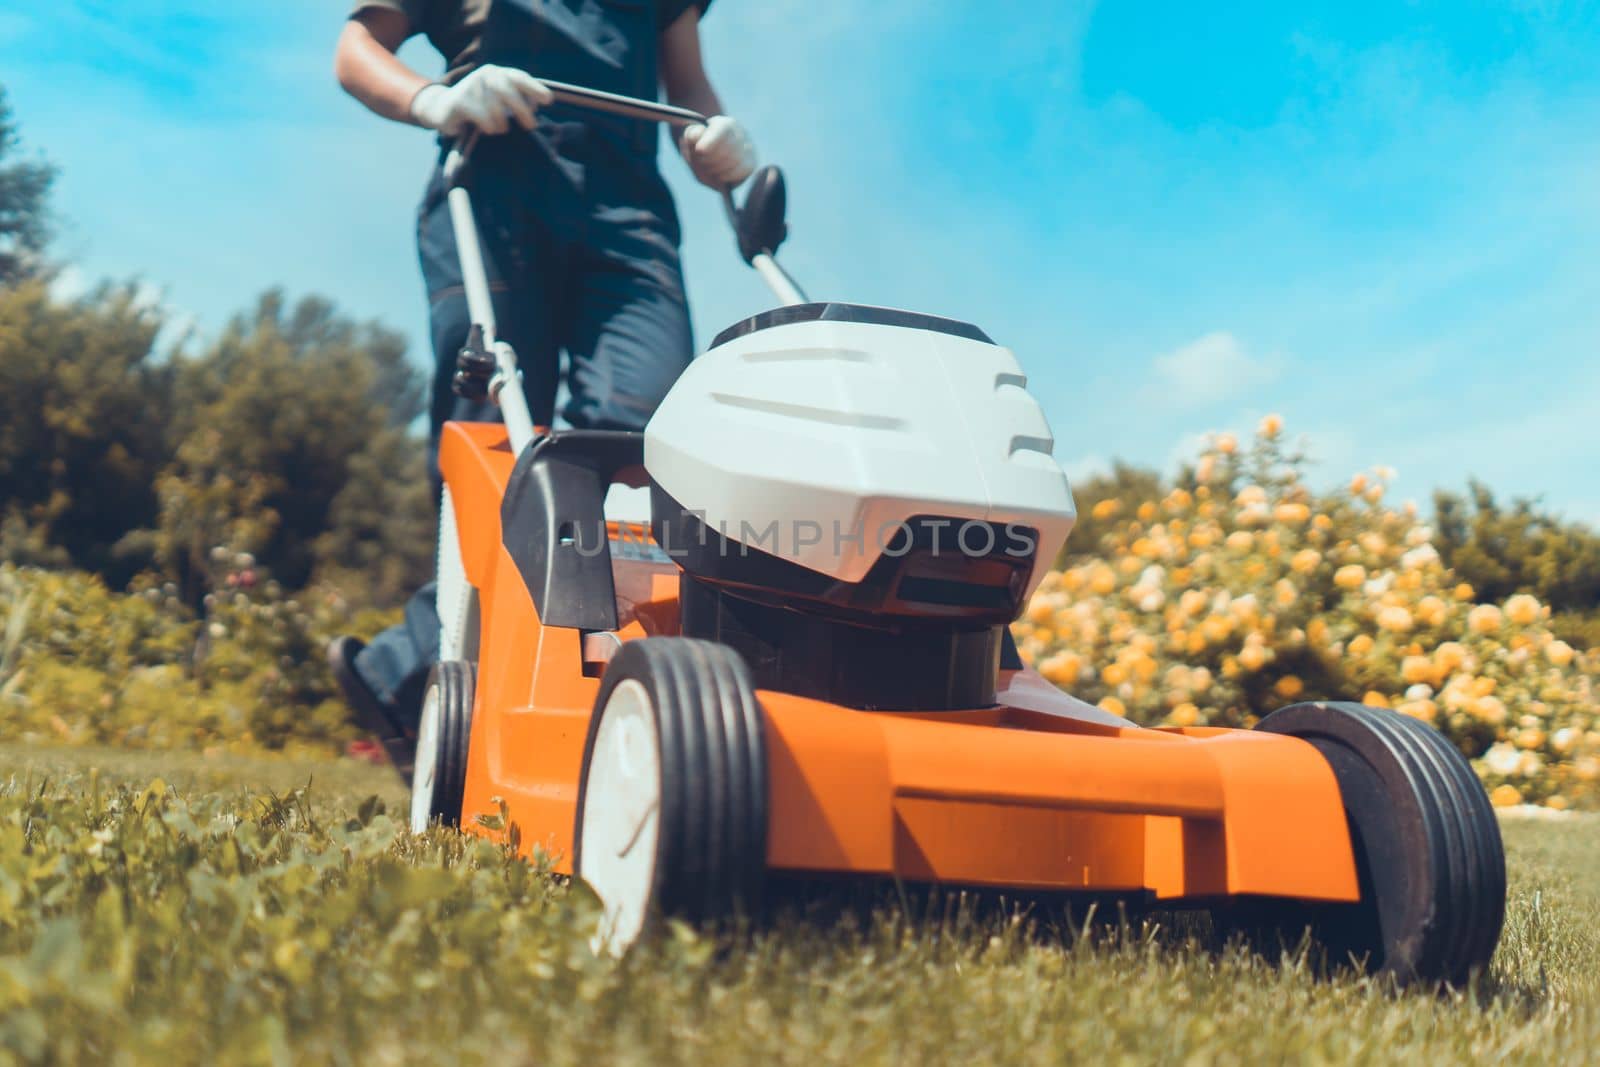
(222, 914)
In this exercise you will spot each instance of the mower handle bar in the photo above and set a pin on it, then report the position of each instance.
(505, 387)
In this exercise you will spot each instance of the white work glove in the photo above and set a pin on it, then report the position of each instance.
(719, 153)
(489, 99)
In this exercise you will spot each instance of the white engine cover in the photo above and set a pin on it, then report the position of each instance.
(825, 428)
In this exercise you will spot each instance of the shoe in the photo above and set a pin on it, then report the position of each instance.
(375, 715)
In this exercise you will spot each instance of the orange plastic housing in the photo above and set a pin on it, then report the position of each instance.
(1029, 793)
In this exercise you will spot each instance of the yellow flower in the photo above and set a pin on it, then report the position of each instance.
(1449, 656)
(1114, 674)
(1292, 512)
(1113, 705)
(1317, 632)
(1431, 610)
(1106, 509)
(1375, 699)
(1178, 500)
(1488, 709)
(1464, 592)
(1523, 609)
(1289, 686)
(1416, 669)
(1322, 522)
(1395, 619)
(1484, 619)
(1558, 652)
(1360, 645)
(1350, 576)
(1185, 714)
(1419, 709)
(1271, 426)
(1250, 494)
(1102, 580)
(1357, 484)
(1062, 668)
(1305, 561)
(1505, 796)
(1252, 657)
(1147, 511)
(1227, 444)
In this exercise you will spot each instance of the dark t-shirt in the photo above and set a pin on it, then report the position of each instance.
(455, 27)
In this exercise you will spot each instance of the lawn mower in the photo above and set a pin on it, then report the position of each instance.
(800, 665)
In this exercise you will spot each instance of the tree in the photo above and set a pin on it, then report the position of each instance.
(291, 446)
(24, 200)
(1504, 549)
(83, 406)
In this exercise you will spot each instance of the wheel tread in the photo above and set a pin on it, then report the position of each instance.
(1455, 896)
(711, 851)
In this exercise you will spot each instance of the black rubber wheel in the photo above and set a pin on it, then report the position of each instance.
(687, 838)
(1427, 846)
(440, 778)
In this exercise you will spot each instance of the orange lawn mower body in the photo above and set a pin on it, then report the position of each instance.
(1036, 791)
(680, 707)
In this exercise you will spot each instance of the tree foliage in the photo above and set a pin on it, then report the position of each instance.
(291, 445)
(287, 439)
(24, 201)
(83, 414)
(1518, 548)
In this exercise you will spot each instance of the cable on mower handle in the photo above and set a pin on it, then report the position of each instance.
(487, 365)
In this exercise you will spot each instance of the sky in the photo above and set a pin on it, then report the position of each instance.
(1378, 219)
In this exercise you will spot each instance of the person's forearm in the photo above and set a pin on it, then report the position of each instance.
(683, 73)
(368, 69)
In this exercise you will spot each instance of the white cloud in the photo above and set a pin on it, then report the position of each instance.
(1210, 369)
(68, 284)
(1085, 467)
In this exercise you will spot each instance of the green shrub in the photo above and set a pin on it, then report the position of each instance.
(1518, 548)
(83, 665)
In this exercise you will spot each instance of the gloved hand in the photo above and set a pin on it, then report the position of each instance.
(488, 99)
(719, 153)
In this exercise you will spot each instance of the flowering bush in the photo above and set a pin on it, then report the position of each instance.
(80, 664)
(1241, 590)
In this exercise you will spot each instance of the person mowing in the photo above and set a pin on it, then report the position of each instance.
(580, 236)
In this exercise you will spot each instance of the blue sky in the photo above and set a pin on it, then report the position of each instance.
(1380, 219)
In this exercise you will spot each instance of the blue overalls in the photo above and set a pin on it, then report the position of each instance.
(580, 240)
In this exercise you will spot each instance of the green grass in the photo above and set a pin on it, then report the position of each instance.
(230, 915)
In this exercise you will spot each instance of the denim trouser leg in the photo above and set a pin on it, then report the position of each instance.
(396, 662)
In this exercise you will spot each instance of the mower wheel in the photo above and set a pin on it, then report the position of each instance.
(440, 777)
(1427, 847)
(672, 804)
